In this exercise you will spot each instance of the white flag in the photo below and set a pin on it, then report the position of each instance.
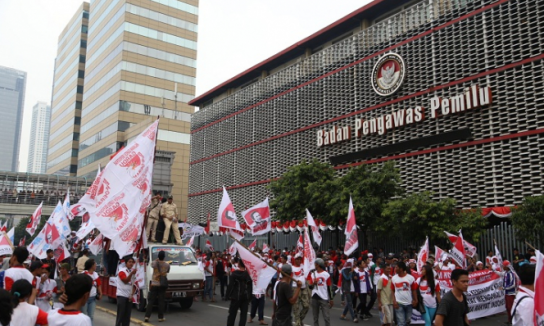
(352, 238)
(309, 254)
(314, 227)
(265, 248)
(258, 218)
(34, 220)
(260, 272)
(96, 245)
(499, 258)
(66, 203)
(423, 255)
(5, 246)
(60, 220)
(120, 195)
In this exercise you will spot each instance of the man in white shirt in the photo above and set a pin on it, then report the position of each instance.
(302, 306)
(405, 297)
(524, 304)
(125, 279)
(320, 282)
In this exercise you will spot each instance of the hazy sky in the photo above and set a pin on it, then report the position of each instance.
(233, 36)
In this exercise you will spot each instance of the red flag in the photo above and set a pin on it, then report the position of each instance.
(352, 239)
(226, 216)
(258, 218)
(22, 241)
(253, 245)
(439, 254)
(458, 252)
(470, 249)
(209, 245)
(539, 289)
(423, 255)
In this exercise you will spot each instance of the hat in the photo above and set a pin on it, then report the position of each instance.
(37, 264)
(347, 264)
(479, 263)
(320, 262)
(170, 197)
(436, 264)
(370, 255)
(287, 269)
(411, 261)
(298, 255)
(506, 263)
(66, 266)
(532, 260)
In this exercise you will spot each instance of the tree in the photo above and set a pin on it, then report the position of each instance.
(302, 186)
(528, 219)
(418, 215)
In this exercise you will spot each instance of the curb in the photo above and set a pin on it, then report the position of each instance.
(132, 320)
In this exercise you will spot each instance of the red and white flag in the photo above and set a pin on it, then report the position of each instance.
(423, 255)
(253, 245)
(96, 245)
(265, 248)
(309, 255)
(458, 252)
(4, 227)
(260, 272)
(5, 246)
(22, 241)
(470, 249)
(232, 249)
(314, 227)
(61, 253)
(352, 238)
(539, 289)
(439, 254)
(34, 220)
(300, 244)
(226, 216)
(209, 245)
(258, 218)
(118, 198)
(191, 241)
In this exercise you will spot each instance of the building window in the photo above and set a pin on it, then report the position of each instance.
(84, 29)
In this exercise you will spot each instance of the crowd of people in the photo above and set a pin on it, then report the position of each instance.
(362, 280)
(34, 197)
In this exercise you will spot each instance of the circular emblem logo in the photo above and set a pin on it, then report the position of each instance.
(388, 74)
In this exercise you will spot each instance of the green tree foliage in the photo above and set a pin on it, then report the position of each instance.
(20, 230)
(528, 219)
(302, 186)
(418, 215)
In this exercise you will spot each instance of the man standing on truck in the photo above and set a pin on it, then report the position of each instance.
(153, 217)
(169, 212)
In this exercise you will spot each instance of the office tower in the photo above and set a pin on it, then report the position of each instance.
(141, 63)
(67, 95)
(39, 138)
(12, 101)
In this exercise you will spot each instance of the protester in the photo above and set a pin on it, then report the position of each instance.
(239, 292)
(321, 284)
(430, 292)
(25, 313)
(365, 290)
(284, 298)
(77, 290)
(524, 305)
(509, 285)
(405, 297)
(96, 290)
(169, 213)
(50, 261)
(348, 276)
(47, 288)
(61, 283)
(302, 306)
(156, 291)
(221, 274)
(80, 265)
(17, 271)
(257, 305)
(385, 297)
(209, 271)
(153, 217)
(37, 269)
(6, 307)
(453, 308)
(124, 292)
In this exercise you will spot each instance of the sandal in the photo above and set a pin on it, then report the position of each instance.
(342, 317)
(262, 323)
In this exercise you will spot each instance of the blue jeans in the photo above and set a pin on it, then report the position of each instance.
(403, 314)
(208, 288)
(429, 316)
(349, 307)
(88, 308)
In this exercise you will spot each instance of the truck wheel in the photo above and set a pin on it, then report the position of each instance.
(186, 303)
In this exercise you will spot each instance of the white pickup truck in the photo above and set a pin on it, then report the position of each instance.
(185, 279)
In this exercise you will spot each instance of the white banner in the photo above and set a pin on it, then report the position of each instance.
(484, 295)
(309, 255)
(96, 245)
(190, 230)
(5, 246)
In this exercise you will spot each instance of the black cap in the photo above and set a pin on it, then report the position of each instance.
(37, 264)
(170, 197)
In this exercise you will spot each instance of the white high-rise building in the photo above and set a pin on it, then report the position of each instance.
(39, 138)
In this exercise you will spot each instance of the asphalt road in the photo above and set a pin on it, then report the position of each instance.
(102, 318)
(215, 314)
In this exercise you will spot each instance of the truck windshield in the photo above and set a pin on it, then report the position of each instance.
(175, 255)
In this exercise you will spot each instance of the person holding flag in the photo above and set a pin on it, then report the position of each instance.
(302, 306)
(523, 311)
(322, 297)
(239, 292)
(125, 281)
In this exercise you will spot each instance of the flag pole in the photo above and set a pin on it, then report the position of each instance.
(233, 238)
(530, 246)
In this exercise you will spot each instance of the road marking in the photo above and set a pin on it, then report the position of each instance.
(225, 308)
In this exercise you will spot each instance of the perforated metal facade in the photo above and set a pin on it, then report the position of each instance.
(252, 136)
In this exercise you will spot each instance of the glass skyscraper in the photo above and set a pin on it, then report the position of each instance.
(12, 100)
(39, 138)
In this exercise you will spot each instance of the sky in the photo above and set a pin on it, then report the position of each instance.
(233, 35)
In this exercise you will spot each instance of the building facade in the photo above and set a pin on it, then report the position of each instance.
(450, 90)
(12, 101)
(67, 97)
(39, 138)
(140, 64)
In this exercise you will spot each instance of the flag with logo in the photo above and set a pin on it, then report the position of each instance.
(539, 289)
(85, 229)
(258, 218)
(439, 254)
(352, 238)
(139, 282)
(209, 245)
(34, 220)
(6, 247)
(458, 253)
(260, 272)
(118, 198)
(309, 255)
(300, 244)
(96, 245)
(61, 253)
(470, 249)
(48, 238)
(423, 255)
(253, 245)
(314, 227)
(265, 248)
(226, 217)
(232, 249)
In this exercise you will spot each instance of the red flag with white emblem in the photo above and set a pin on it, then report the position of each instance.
(226, 216)
(258, 218)
(34, 220)
(458, 252)
(352, 238)
(423, 255)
